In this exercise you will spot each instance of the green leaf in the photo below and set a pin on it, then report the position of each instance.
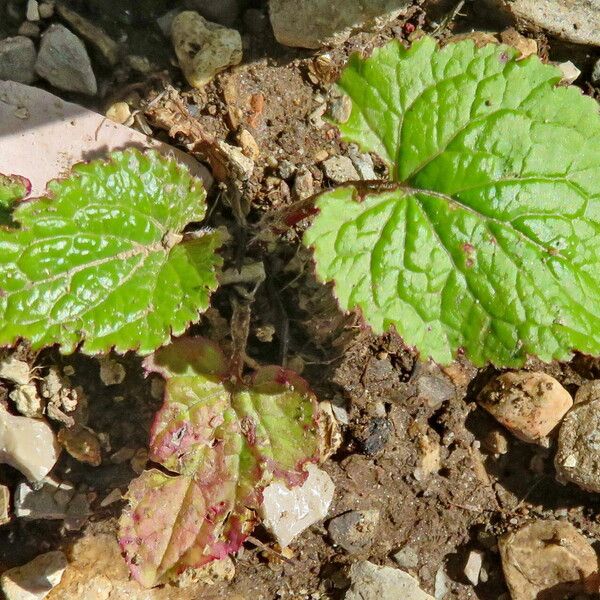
(99, 259)
(487, 239)
(12, 189)
(223, 442)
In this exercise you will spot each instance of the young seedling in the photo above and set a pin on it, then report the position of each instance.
(222, 440)
(486, 238)
(103, 259)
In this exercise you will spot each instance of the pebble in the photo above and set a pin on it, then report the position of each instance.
(82, 444)
(27, 400)
(529, 404)
(112, 372)
(46, 10)
(288, 512)
(372, 582)
(340, 108)
(36, 579)
(577, 22)
(569, 72)
(17, 63)
(248, 144)
(316, 23)
(108, 48)
(286, 169)
(362, 162)
(239, 160)
(526, 46)
(596, 72)
(440, 586)
(406, 558)
(204, 48)
(430, 460)
(119, 112)
(63, 61)
(577, 459)
(435, 390)
(33, 10)
(28, 445)
(495, 442)
(548, 559)
(53, 501)
(377, 435)
(340, 169)
(303, 184)
(11, 368)
(224, 12)
(4, 505)
(473, 566)
(354, 530)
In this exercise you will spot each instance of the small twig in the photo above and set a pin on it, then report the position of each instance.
(266, 548)
(448, 19)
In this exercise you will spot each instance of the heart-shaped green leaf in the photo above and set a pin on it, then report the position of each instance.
(102, 258)
(487, 239)
(223, 442)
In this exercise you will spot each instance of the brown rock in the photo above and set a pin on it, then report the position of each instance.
(549, 560)
(578, 456)
(530, 405)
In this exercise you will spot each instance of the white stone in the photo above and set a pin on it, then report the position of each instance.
(33, 10)
(569, 70)
(49, 132)
(204, 48)
(28, 445)
(473, 566)
(27, 400)
(288, 512)
(36, 579)
(15, 371)
(372, 582)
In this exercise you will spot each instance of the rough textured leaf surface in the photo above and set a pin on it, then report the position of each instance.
(222, 443)
(489, 243)
(12, 189)
(99, 259)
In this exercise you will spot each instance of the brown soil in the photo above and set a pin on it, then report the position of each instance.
(399, 408)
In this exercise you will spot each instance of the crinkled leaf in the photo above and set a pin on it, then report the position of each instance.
(490, 241)
(98, 259)
(12, 189)
(223, 443)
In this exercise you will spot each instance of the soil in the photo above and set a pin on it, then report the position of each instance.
(398, 406)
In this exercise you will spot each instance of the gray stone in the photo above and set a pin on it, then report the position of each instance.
(316, 23)
(573, 21)
(354, 530)
(17, 59)
(64, 62)
(36, 579)
(52, 501)
(372, 582)
(596, 72)
(578, 456)
(224, 11)
(435, 390)
(340, 169)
